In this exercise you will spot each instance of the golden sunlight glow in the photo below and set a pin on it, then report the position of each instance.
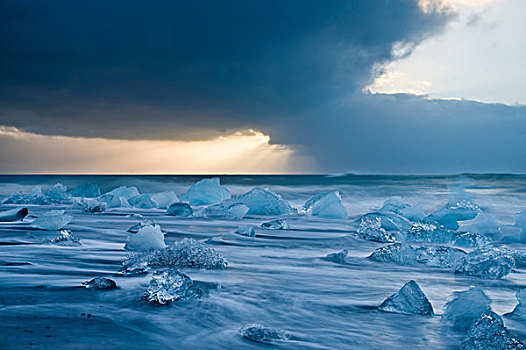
(242, 152)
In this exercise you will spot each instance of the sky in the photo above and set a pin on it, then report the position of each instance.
(302, 86)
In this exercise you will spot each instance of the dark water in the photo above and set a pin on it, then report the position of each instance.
(278, 278)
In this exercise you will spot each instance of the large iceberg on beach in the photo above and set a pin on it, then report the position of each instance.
(52, 220)
(489, 333)
(486, 263)
(170, 286)
(124, 191)
(86, 191)
(405, 254)
(205, 192)
(465, 307)
(259, 333)
(326, 204)
(408, 300)
(13, 215)
(398, 206)
(185, 253)
(262, 201)
(148, 237)
(164, 199)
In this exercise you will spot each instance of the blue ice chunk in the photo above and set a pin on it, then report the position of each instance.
(124, 191)
(226, 210)
(405, 254)
(246, 230)
(277, 224)
(326, 204)
(57, 193)
(382, 227)
(398, 206)
(205, 192)
(262, 201)
(86, 191)
(34, 196)
(180, 209)
(100, 283)
(338, 257)
(408, 300)
(148, 237)
(259, 333)
(65, 239)
(142, 201)
(465, 307)
(429, 232)
(52, 220)
(164, 199)
(12, 215)
(171, 286)
(486, 263)
(488, 333)
(459, 208)
(113, 201)
(520, 309)
(482, 223)
(90, 205)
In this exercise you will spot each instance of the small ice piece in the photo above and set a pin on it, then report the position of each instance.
(13, 215)
(180, 209)
(142, 201)
(171, 286)
(520, 309)
(34, 196)
(489, 333)
(113, 201)
(262, 201)
(52, 220)
(276, 225)
(59, 192)
(260, 333)
(398, 206)
(482, 223)
(339, 257)
(205, 192)
(124, 191)
(405, 254)
(408, 300)
(100, 283)
(185, 253)
(85, 191)
(164, 199)
(246, 230)
(65, 239)
(90, 205)
(382, 227)
(225, 210)
(326, 204)
(486, 263)
(148, 237)
(465, 307)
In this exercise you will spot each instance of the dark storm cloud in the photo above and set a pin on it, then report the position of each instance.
(293, 69)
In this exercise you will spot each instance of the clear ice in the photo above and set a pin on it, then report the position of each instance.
(465, 307)
(408, 300)
(142, 201)
(57, 193)
(486, 263)
(398, 206)
(224, 210)
(52, 220)
(148, 237)
(246, 230)
(86, 191)
(170, 286)
(180, 209)
(205, 192)
(260, 333)
(277, 224)
(382, 227)
(459, 208)
(65, 239)
(90, 205)
(326, 204)
(262, 201)
(34, 196)
(164, 199)
(488, 333)
(483, 223)
(405, 254)
(429, 232)
(124, 191)
(113, 201)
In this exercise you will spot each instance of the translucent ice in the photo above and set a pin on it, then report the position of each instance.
(262, 201)
(382, 227)
(260, 333)
(482, 223)
(488, 333)
(113, 201)
(184, 253)
(90, 205)
(465, 307)
(52, 220)
(171, 286)
(100, 283)
(148, 237)
(13, 215)
(430, 232)
(326, 204)
(59, 192)
(205, 192)
(86, 191)
(246, 230)
(142, 201)
(398, 206)
(225, 210)
(276, 225)
(408, 300)
(404, 254)
(34, 196)
(124, 191)
(65, 239)
(339, 257)
(164, 199)
(486, 263)
(459, 208)
(180, 209)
